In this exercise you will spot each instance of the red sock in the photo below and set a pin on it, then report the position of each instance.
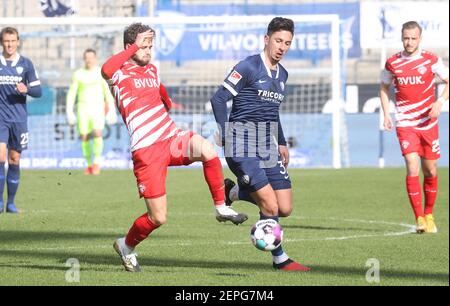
(140, 230)
(212, 169)
(415, 194)
(430, 188)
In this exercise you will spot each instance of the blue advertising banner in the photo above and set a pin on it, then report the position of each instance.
(55, 145)
(206, 42)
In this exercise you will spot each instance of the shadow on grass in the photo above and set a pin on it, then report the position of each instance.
(92, 262)
(37, 236)
(114, 260)
(400, 274)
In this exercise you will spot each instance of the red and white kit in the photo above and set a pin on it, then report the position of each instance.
(156, 141)
(414, 81)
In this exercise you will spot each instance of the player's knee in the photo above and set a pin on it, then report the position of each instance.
(208, 151)
(413, 171)
(269, 209)
(158, 219)
(14, 160)
(285, 211)
(430, 172)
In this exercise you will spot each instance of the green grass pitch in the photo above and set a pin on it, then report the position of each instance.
(341, 219)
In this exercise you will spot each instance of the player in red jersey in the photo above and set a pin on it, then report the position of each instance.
(412, 72)
(156, 141)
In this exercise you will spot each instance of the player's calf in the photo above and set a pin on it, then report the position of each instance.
(229, 185)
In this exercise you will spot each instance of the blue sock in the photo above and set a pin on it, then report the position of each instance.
(278, 251)
(12, 180)
(244, 195)
(2, 182)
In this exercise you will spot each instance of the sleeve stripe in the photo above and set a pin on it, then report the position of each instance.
(35, 83)
(230, 89)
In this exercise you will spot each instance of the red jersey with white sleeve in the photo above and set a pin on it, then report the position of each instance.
(414, 80)
(136, 90)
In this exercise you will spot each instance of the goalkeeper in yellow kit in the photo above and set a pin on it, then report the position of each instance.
(94, 106)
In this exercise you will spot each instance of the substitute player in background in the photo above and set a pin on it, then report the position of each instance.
(412, 72)
(156, 142)
(257, 87)
(17, 80)
(94, 104)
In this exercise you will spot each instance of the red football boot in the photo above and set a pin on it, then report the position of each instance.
(88, 171)
(290, 265)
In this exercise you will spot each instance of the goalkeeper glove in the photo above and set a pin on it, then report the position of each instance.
(71, 118)
(111, 116)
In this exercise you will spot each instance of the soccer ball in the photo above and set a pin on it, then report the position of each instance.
(266, 235)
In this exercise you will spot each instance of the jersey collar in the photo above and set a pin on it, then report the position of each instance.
(14, 62)
(263, 58)
(418, 55)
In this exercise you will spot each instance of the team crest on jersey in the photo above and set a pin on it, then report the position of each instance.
(422, 70)
(405, 144)
(141, 188)
(234, 77)
(19, 70)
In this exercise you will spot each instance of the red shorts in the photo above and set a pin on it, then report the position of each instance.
(423, 142)
(150, 163)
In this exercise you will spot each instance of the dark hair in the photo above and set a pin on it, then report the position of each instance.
(280, 24)
(131, 32)
(89, 50)
(411, 25)
(8, 30)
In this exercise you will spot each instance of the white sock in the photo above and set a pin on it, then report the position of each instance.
(125, 247)
(280, 259)
(234, 193)
(220, 206)
(222, 209)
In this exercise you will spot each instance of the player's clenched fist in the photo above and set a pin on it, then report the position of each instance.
(22, 88)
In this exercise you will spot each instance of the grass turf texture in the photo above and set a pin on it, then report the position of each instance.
(67, 215)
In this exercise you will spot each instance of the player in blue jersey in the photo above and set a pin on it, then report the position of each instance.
(255, 147)
(17, 80)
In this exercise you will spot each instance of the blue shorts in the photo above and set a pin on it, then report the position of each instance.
(252, 176)
(14, 134)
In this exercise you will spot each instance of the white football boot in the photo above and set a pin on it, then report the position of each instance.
(226, 213)
(127, 256)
